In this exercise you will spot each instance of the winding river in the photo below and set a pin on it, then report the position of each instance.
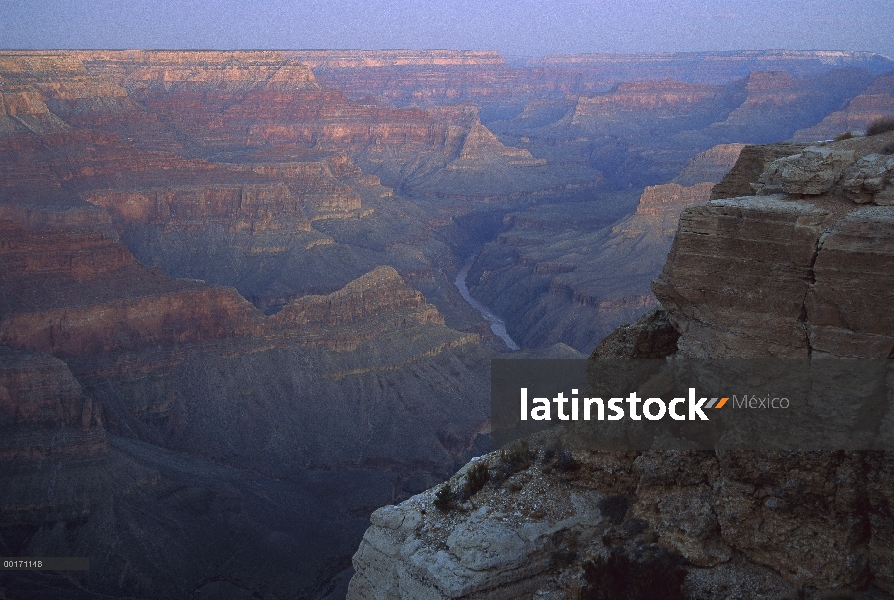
(496, 323)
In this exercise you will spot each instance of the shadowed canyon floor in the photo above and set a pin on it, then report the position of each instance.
(229, 324)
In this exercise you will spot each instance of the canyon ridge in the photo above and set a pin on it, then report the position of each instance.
(231, 325)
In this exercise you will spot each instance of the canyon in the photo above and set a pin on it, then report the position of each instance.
(799, 268)
(229, 322)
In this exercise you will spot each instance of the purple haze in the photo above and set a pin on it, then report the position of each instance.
(513, 27)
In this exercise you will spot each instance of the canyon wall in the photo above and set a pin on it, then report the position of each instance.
(181, 400)
(227, 300)
(822, 220)
(802, 269)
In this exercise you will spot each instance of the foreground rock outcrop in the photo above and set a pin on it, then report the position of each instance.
(804, 273)
(802, 270)
(640, 525)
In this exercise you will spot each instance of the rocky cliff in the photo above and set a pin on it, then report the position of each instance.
(760, 276)
(710, 165)
(227, 296)
(43, 409)
(809, 258)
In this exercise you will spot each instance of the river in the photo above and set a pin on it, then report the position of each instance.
(496, 323)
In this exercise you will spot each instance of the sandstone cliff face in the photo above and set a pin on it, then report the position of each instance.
(711, 165)
(175, 317)
(259, 207)
(660, 206)
(784, 270)
(72, 293)
(81, 255)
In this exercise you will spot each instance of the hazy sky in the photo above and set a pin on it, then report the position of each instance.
(519, 27)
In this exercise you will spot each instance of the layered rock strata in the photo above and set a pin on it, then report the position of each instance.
(132, 403)
(801, 270)
(761, 276)
(43, 409)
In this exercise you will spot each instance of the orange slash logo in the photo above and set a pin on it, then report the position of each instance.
(715, 404)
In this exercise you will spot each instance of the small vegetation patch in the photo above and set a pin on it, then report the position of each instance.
(880, 125)
(565, 462)
(515, 457)
(444, 498)
(476, 477)
(844, 136)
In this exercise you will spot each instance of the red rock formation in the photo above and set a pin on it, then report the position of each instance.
(101, 301)
(255, 208)
(76, 293)
(43, 410)
(81, 255)
(645, 95)
(173, 318)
